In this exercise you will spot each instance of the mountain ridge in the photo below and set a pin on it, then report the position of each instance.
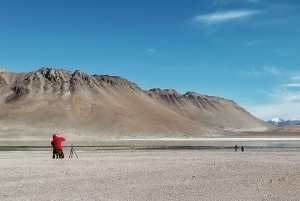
(281, 122)
(74, 103)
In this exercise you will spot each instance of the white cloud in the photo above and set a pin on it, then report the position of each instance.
(291, 85)
(283, 94)
(251, 72)
(224, 16)
(285, 104)
(267, 70)
(151, 51)
(281, 72)
(264, 70)
(287, 92)
(271, 70)
(224, 2)
(283, 110)
(284, 101)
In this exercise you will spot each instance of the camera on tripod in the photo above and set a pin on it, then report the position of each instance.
(72, 152)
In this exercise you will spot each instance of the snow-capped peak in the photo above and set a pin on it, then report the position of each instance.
(294, 119)
(280, 122)
(277, 119)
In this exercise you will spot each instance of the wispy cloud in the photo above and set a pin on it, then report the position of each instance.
(284, 100)
(264, 70)
(291, 85)
(283, 94)
(271, 70)
(219, 17)
(251, 72)
(284, 103)
(283, 110)
(224, 2)
(151, 51)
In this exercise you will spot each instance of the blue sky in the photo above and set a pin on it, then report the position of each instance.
(243, 50)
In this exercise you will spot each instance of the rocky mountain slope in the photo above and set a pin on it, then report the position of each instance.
(75, 104)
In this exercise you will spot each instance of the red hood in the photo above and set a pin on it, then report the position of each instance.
(54, 136)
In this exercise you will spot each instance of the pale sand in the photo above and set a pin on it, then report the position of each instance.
(150, 175)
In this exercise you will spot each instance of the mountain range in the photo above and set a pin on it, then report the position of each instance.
(281, 122)
(75, 104)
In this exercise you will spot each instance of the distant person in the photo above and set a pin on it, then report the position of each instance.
(57, 147)
(242, 148)
(235, 148)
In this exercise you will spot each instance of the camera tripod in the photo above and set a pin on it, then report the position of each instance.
(72, 152)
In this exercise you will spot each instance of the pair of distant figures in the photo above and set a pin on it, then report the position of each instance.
(236, 148)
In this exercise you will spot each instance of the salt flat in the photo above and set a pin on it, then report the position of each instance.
(150, 175)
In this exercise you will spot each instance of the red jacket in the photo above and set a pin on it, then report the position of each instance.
(56, 142)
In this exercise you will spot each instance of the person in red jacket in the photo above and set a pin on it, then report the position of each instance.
(57, 147)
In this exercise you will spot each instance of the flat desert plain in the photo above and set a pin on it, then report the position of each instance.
(291, 131)
(150, 175)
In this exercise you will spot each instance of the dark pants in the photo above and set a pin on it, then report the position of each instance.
(58, 153)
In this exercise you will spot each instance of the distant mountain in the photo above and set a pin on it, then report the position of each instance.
(293, 121)
(281, 122)
(276, 121)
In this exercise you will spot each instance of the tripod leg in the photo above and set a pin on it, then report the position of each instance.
(71, 153)
(75, 153)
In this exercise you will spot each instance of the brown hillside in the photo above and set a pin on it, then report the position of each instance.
(76, 104)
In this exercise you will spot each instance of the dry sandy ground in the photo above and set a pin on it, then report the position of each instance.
(151, 175)
(282, 131)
